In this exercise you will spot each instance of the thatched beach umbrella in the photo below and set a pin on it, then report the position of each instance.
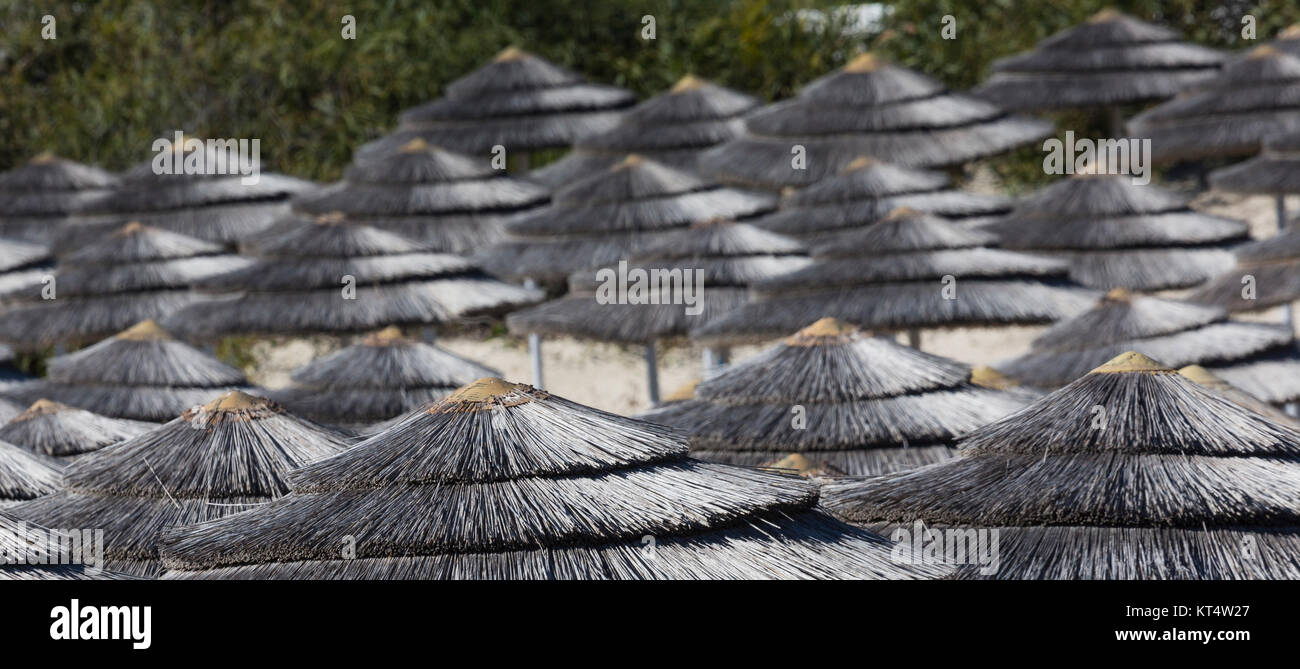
(1109, 60)
(871, 108)
(219, 208)
(452, 202)
(1275, 171)
(503, 481)
(382, 377)
(1267, 274)
(226, 456)
(1254, 97)
(60, 431)
(328, 274)
(691, 277)
(142, 373)
(1208, 379)
(839, 396)
(672, 128)
(1259, 358)
(518, 101)
(906, 272)
(865, 191)
(135, 273)
(26, 475)
(23, 265)
(38, 197)
(610, 216)
(1117, 234)
(1168, 480)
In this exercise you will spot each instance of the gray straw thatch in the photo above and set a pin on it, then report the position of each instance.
(229, 455)
(839, 397)
(611, 216)
(142, 373)
(1271, 266)
(909, 270)
(454, 203)
(1259, 358)
(26, 475)
(865, 191)
(518, 101)
(1173, 481)
(1110, 59)
(24, 555)
(730, 256)
(672, 128)
(382, 377)
(23, 266)
(214, 207)
(135, 273)
(871, 108)
(329, 274)
(1117, 234)
(39, 197)
(1254, 97)
(1275, 171)
(60, 431)
(503, 481)
(1210, 380)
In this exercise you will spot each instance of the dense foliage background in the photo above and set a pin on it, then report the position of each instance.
(121, 73)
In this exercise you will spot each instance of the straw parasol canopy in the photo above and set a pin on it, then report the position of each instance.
(1271, 265)
(1275, 171)
(1255, 96)
(26, 475)
(728, 255)
(1117, 234)
(60, 431)
(329, 274)
(1175, 482)
(865, 191)
(611, 216)
(1288, 40)
(503, 481)
(23, 264)
(861, 404)
(1208, 379)
(518, 101)
(452, 202)
(672, 128)
(142, 373)
(1110, 59)
(1259, 358)
(868, 107)
(910, 270)
(25, 546)
(39, 196)
(229, 455)
(214, 207)
(135, 273)
(382, 377)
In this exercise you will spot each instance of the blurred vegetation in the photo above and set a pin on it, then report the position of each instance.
(122, 73)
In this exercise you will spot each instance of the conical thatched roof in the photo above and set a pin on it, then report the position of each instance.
(223, 457)
(135, 273)
(1275, 171)
(867, 404)
(502, 481)
(1117, 234)
(1208, 379)
(865, 191)
(23, 265)
(725, 256)
(26, 475)
(382, 377)
(58, 430)
(611, 216)
(1260, 358)
(142, 373)
(894, 275)
(518, 101)
(1110, 59)
(215, 207)
(868, 107)
(452, 202)
(673, 128)
(1255, 96)
(328, 274)
(28, 544)
(1172, 482)
(1274, 266)
(40, 195)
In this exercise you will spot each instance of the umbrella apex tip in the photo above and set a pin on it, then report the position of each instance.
(688, 83)
(985, 376)
(864, 62)
(1132, 361)
(510, 53)
(484, 392)
(146, 330)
